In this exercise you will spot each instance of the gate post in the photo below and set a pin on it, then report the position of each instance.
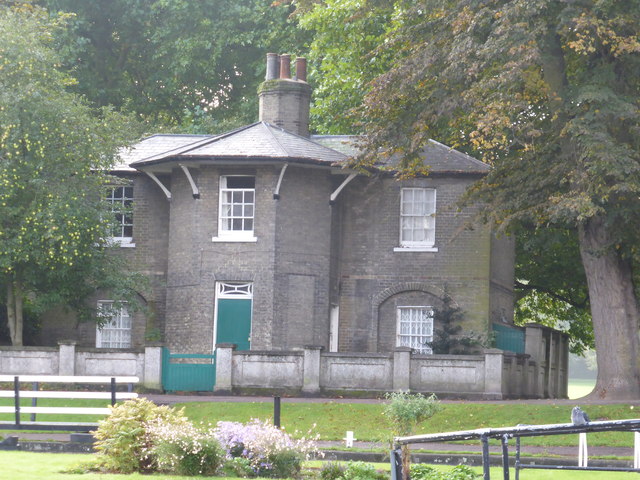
(224, 367)
(311, 369)
(153, 366)
(401, 369)
(67, 357)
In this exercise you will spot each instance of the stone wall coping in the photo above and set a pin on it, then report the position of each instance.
(270, 353)
(356, 355)
(11, 348)
(110, 351)
(447, 356)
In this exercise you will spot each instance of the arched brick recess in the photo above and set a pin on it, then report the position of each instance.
(378, 301)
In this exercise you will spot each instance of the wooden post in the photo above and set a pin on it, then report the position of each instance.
(16, 399)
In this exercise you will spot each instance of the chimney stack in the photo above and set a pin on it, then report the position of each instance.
(285, 101)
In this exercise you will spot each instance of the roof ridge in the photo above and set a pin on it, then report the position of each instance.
(469, 157)
(266, 126)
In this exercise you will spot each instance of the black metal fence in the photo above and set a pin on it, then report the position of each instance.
(517, 432)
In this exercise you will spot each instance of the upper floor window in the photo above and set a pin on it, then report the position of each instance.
(417, 218)
(415, 328)
(120, 200)
(114, 330)
(237, 208)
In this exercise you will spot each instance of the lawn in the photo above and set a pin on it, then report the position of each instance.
(578, 388)
(28, 466)
(367, 421)
(332, 419)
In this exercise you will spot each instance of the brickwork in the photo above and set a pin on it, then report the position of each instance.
(369, 266)
(149, 257)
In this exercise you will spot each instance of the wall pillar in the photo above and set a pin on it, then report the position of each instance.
(153, 367)
(224, 367)
(402, 369)
(311, 369)
(67, 357)
(493, 371)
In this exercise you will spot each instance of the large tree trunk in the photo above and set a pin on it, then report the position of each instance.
(615, 313)
(15, 317)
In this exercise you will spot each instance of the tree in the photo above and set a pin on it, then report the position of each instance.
(191, 65)
(54, 151)
(547, 92)
(448, 336)
(343, 58)
(551, 287)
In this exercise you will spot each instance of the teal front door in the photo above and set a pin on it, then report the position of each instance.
(233, 314)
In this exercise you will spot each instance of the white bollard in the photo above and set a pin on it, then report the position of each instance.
(349, 439)
(583, 456)
(636, 449)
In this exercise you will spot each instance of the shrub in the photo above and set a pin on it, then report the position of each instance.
(269, 450)
(421, 471)
(123, 440)
(184, 449)
(362, 471)
(237, 467)
(404, 412)
(426, 472)
(462, 472)
(332, 471)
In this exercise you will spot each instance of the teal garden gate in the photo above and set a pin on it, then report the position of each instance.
(188, 376)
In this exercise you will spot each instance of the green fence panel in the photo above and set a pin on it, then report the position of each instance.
(188, 376)
(509, 338)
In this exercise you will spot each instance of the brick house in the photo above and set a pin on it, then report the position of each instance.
(260, 238)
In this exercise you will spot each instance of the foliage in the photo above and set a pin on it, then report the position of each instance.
(342, 58)
(183, 449)
(550, 283)
(362, 471)
(270, 451)
(447, 336)
(54, 155)
(332, 471)
(351, 471)
(237, 467)
(547, 93)
(404, 411)
(427, 472)
(193, 65)
(123, 438)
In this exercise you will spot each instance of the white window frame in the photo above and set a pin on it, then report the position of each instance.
(226, 214)
(118, 206)
(116, 328)
(414, 328)
(423, 218)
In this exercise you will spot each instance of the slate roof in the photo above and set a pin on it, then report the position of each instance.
(441, 158)
(263, 142)
(259, 141)
(154, 145)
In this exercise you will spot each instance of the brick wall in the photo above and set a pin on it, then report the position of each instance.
(374, 279)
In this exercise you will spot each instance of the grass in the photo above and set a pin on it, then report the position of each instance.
(52, 466)
(578, 388)
(367, 421)
(56, 402)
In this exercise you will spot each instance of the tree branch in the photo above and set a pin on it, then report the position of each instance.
(538, 288)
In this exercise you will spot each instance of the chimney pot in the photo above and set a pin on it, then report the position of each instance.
(301, 69)
(273, 66)
(285, 66)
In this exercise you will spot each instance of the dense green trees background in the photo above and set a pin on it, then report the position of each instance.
(194, 66)
(547, 93)
(55, 152)
(544, 91)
